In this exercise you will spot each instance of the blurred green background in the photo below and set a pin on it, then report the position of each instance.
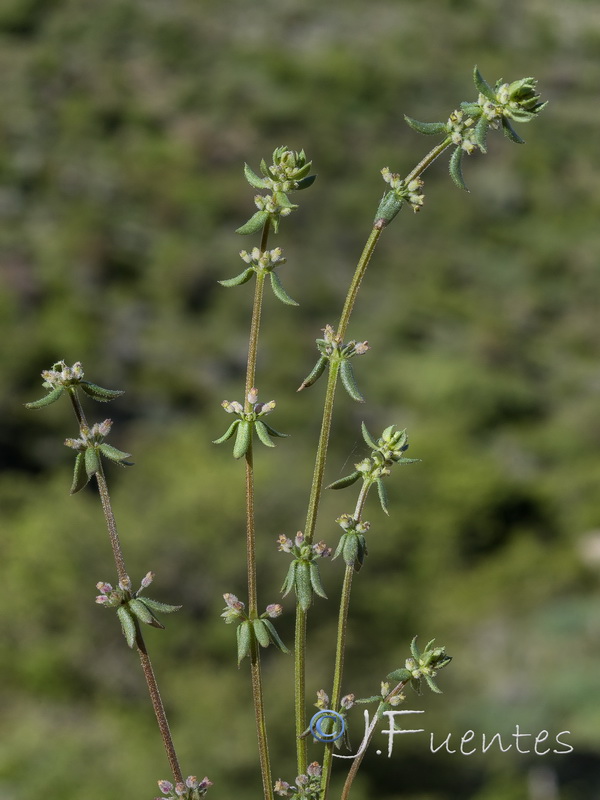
(123, 132)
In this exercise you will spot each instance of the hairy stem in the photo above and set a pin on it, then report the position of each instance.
(255, 670)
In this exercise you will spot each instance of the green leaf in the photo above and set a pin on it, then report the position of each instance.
(432, 684)
(284, 201)
(156, 605)
(304, 183)
(347, 376)
(80, 476)
(371, 699)
(315, 580)
(480, 133)
(398, 675)
(143, 613)
(368, 438)
(273, 432)
(415, 652)
(303, 585)
(127, 624)
(261, 632)
(382, 492)
(115, 455)
(428, 128)
(253, 179)
(50, 398)
(456, 168)
(389, 206)
(315, 373)
(228, 433)
(243, 440)
(263, 433)
(92, 462)
(244, 639)
(510, 132)
(362, 552)
(254, 224)
(483, 86)
(290, 579)
(275, 636)
(243, 277)
(280, 292)
(350, 550)
(98, 393)
(343, 482)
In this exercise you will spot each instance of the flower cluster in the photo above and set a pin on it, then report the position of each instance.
(422, 666)
(461, 129)
(333, 350)
(352, 545)
(61, 378)
(192, 789)
(386, 451)
(307, 786)
(303, 575)
(89, 446)
(405, 191)
(248, 422)
(132, 608)
(251, 631)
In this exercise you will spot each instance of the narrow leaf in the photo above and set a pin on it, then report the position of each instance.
(510, 132)
(303, 585)
(263, 433)
(415, 652)
(347, 376)
(127, 624)
(483, 86)
(254, 224)
(144, 614)
(428, 128)
(92, 462)
(261, 632)
(280, 292)
(456, 168)
(51, 397)
(115, 455)
(315, 374)
(315, 580)
(432, 684)
(398, 675)
(367, 437)
(228, 433)
(284, 201)
(382, 492)
(243, 277)
(98, 393)
(253, 179)
(275, 636)
(243, 440)
(304, 183)
(244, 640)
(371, 699)
(290, 579)
(340, 548)
(350, 549)
(80, 476)
(273, 432)
(480, 133)
(164, 608)
(389, 206)
(343, 482)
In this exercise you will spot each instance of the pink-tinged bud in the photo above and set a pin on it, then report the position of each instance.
(103, 428)
(233, 602)
(281, 787)
(274, 610)
(205, 784)
(347, 701)
(314, 769)
(165, 786)
(301, 780)
(253, 396)
(361, 348)
(192, 782)
(180, 789)
(262, 409)
(103, 587)
(147, 579)
(322, 699)
(346, 521)
(125, 584)
(321, 549)
(299, 539)
(285, 544)
(102, 598)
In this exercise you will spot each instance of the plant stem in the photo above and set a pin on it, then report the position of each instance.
(340, 648)
(321, 457)
(115, 543)
(255, 670)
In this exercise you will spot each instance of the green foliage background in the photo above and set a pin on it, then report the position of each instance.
(123, 131)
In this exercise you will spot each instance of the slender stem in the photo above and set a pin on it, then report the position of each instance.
(115, 543)
(255, 670)
(158, 707)
(340, 648)
(367, 740)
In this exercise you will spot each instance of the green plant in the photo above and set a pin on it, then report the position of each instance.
(464, 132)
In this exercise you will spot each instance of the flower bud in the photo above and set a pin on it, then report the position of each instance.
(322, 699)
(314, 769)
(347, 701)
(281, 787)
(165, 786)
(274, 610)
(147, 579)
